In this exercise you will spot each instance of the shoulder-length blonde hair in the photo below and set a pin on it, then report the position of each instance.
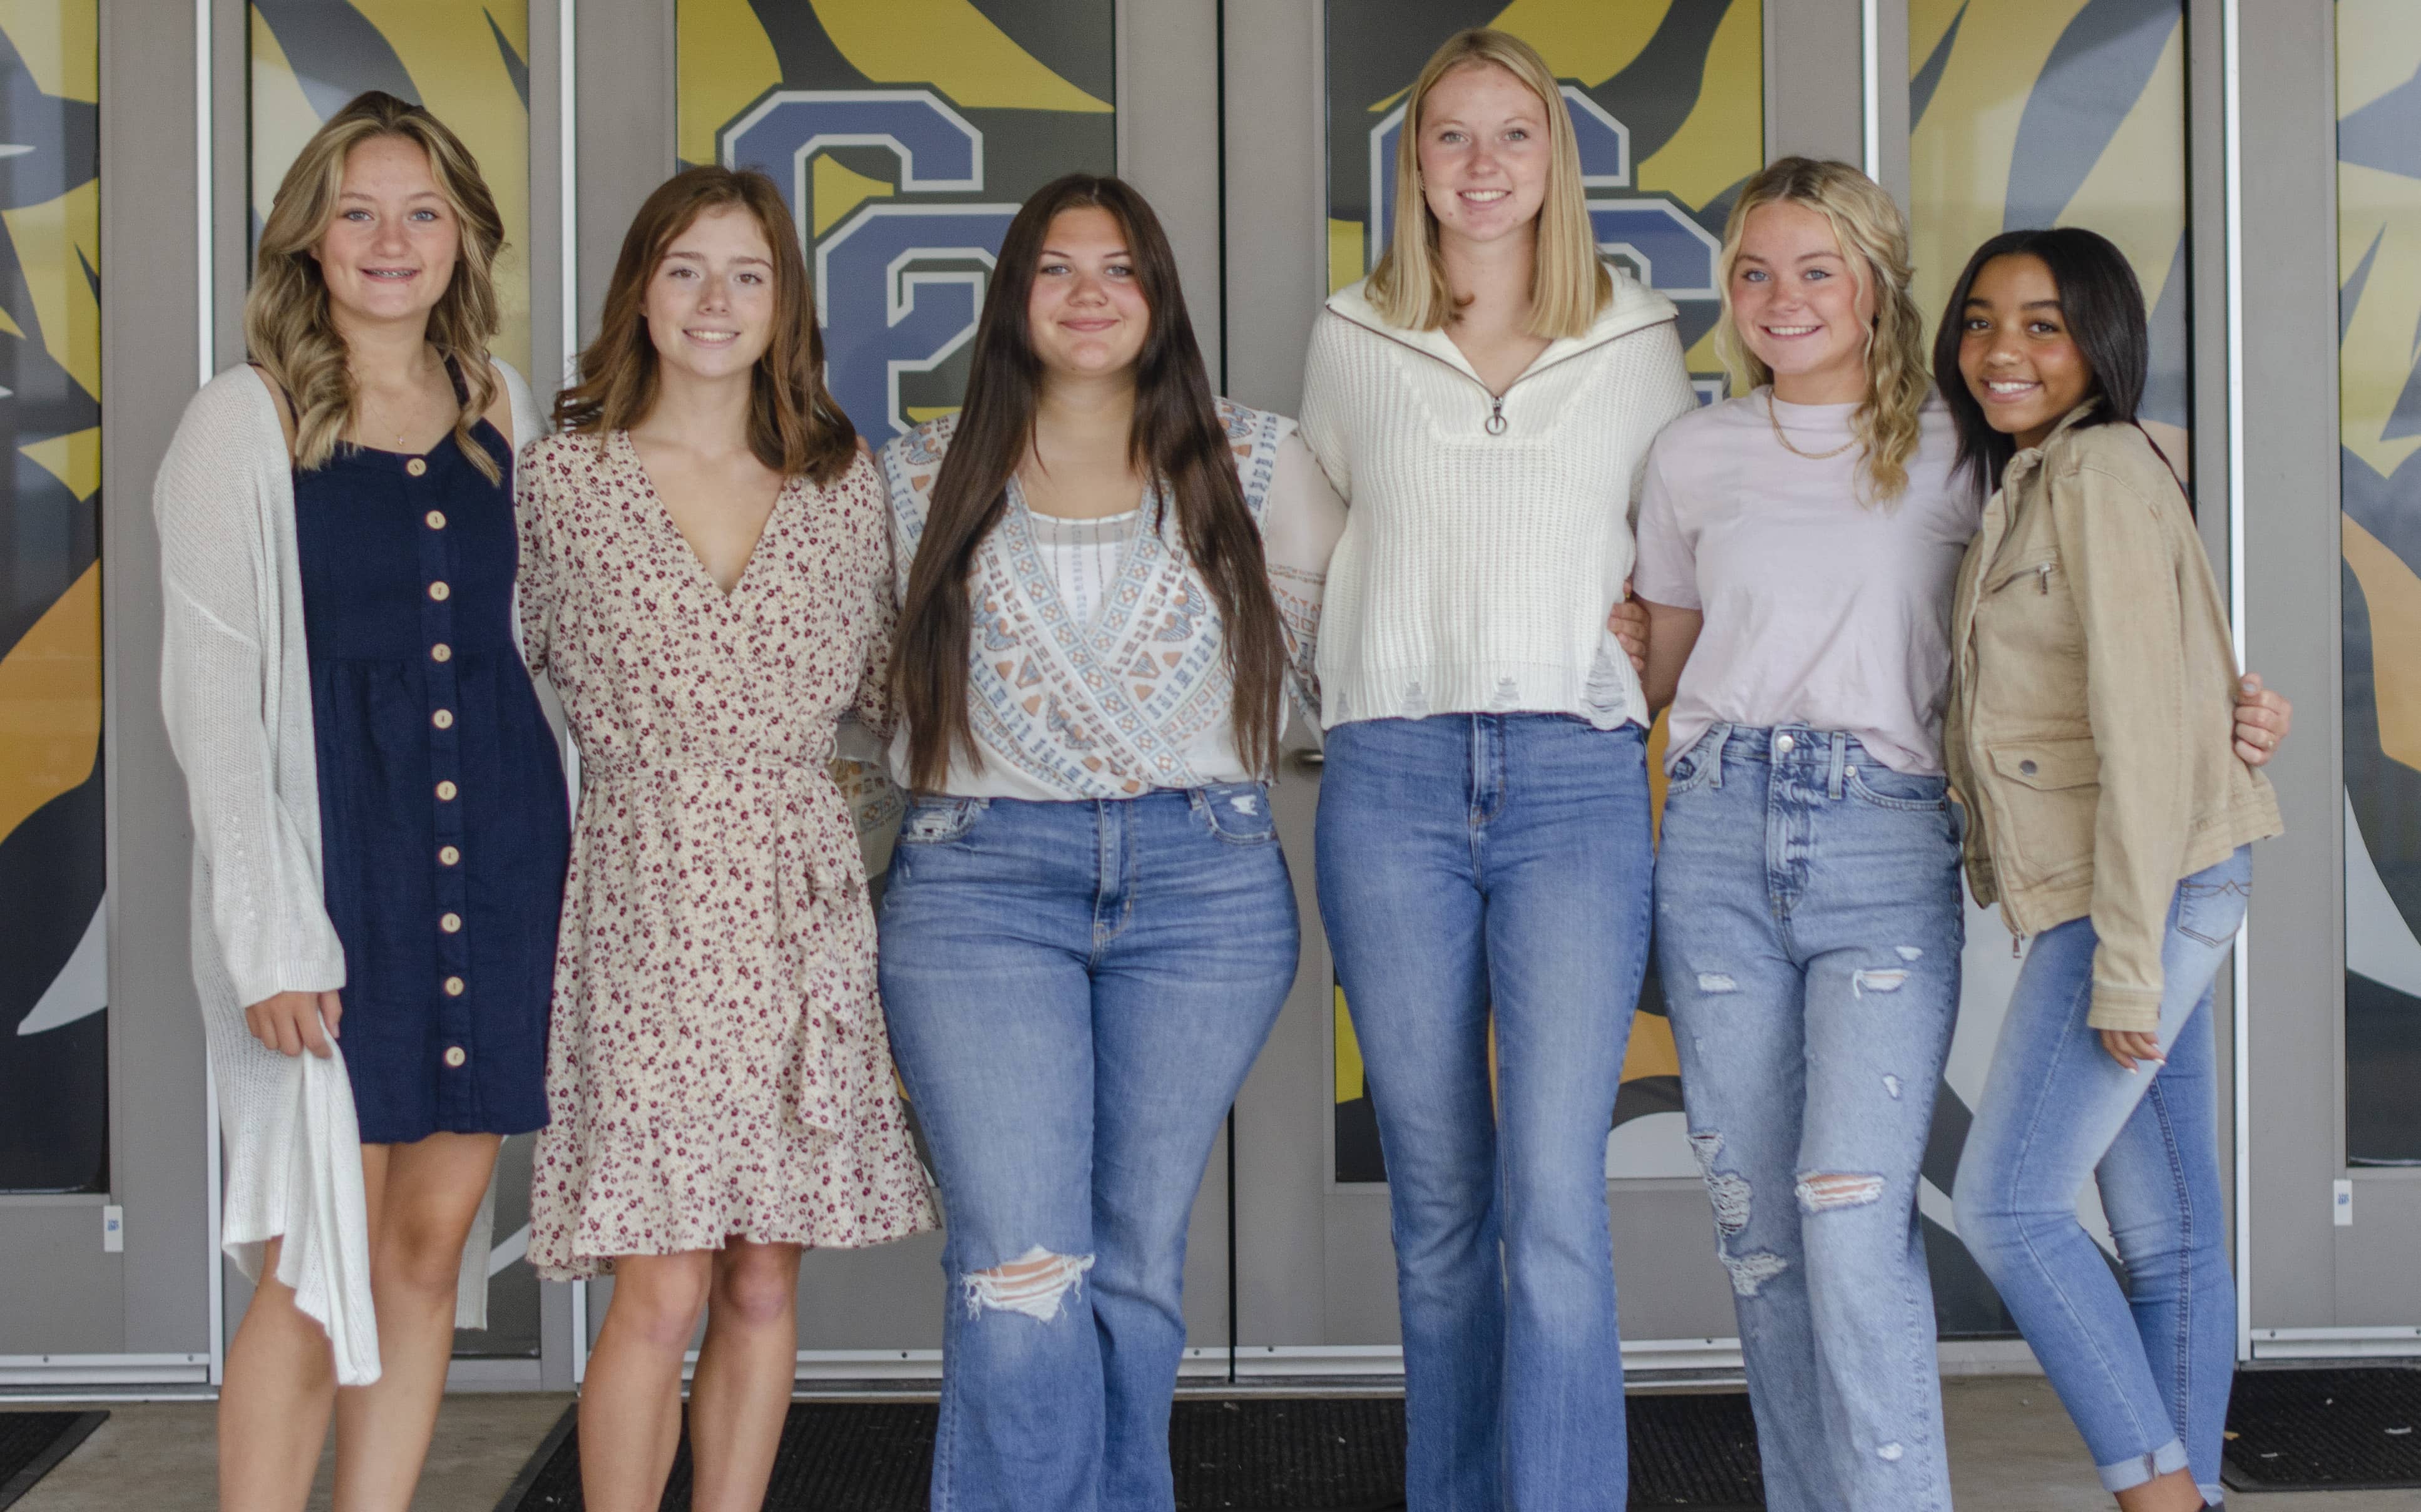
(1568, 286)
(285, 321)
(1874, 239)
(794, 427)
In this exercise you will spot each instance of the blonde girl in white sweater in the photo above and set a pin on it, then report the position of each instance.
(1484, 403)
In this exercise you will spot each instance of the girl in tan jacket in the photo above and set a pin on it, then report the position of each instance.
(2092, 686)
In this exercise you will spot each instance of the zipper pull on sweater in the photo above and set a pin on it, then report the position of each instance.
(1496, 415)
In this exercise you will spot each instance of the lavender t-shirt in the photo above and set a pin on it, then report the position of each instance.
(1819, 611)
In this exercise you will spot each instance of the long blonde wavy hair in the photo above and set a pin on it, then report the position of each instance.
(285, 319)
(1874, 237)
(1567, 283)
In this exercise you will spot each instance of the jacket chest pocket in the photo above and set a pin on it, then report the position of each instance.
(2028, 620)
(2053, 792)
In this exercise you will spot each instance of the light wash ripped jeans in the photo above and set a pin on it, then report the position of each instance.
(1075, 991)
(2146, 1372)
(1809, 926)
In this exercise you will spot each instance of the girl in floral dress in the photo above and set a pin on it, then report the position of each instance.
(705, 581)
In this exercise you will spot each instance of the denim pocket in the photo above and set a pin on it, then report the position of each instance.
(1236, 811)
(2210, 912)
(1874, 783)
(1696, 769)
(940, 820)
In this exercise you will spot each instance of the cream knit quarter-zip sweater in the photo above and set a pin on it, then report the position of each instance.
(1488, 534)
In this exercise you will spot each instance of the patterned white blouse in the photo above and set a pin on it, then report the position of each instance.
(1136, 695)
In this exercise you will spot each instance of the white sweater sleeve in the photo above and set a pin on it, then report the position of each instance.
(1325, 425)
(1302, 523)
(1666, 396)
(215, 680)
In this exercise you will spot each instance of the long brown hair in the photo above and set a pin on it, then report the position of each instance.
(1177, 438)
(286, 321)
(794, 427)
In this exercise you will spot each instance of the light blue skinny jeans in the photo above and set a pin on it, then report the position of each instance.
(1808, 925)
(1479, 869)
(2146, 1372)
(1075, 991)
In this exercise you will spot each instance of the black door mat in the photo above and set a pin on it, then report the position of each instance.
(32, 1442)
(1249, 1455)
(2355, 1429)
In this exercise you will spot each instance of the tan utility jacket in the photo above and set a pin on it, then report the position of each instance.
(2089, 731)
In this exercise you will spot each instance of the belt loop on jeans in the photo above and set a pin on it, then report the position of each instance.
(1718, 734)
(1833, 774)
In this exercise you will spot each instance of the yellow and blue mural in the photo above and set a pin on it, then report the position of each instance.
(2379, 323)
(2038, 113)
(904, 135)
(54, 977)
(466, 61)
(1668, 98)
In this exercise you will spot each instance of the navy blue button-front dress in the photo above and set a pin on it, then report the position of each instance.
(444, 826)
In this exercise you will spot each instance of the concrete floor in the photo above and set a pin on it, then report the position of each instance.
(2011, 1450)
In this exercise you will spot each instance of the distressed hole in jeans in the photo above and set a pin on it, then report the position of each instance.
(1705, 1147)
(1908, 952)
(1751, 1271)
(1729, 1192)
(1037, 1283)
(1871, 980)
(1717, 982)
(1891, 1084)
(1247, 802)
(1890, 1452)
(1823, 1194)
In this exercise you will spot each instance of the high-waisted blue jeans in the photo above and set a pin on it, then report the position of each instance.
(1075, 991)
(2146, 1372)
(1477, 869)
(1808, 925)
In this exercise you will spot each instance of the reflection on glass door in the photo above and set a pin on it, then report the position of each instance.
(2379, 260)
(467, 63)
(2022, 114)
(53, 952)
(1667, 99)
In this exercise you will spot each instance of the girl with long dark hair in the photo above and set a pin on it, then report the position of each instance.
(2088, 734)
(1109, 580)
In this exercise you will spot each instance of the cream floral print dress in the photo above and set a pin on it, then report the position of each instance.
(718, 1065)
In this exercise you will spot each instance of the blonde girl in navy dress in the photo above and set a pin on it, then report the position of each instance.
(426, 949)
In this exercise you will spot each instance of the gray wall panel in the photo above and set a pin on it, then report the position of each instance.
(150, 365)
(1277, 197)
(1168, 141)
(2290, 547)
(1813, 81)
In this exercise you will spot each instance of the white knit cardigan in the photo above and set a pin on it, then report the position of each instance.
(1488, 534)
(235, 683)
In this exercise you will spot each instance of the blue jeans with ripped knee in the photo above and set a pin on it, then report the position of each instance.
(2145, 1371)
(1075, 991)
(1808, 925)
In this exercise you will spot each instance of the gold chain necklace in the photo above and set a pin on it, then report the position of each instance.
(1775, 421)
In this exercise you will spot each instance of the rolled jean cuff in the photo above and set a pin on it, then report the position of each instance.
(2214, 1495)
(2137, 1469)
